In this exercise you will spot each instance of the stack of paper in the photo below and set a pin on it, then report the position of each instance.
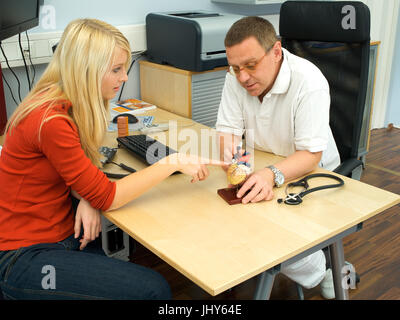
(131, 106)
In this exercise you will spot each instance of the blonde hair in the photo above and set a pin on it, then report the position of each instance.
(254, 26)
(75, 73)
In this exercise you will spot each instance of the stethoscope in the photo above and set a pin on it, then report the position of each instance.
(297, 198)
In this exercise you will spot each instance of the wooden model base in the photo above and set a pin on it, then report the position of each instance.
(229, 195)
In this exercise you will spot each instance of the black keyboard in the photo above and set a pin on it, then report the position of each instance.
(147, 148)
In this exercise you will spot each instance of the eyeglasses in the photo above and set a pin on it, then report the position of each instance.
(249, 68)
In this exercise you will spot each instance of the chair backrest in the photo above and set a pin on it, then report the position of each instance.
(335, 36)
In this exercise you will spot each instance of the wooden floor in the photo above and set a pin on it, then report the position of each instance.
(374, 251)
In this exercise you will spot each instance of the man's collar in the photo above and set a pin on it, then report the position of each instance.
(282, 81)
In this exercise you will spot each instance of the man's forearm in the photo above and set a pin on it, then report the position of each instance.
(298, 164)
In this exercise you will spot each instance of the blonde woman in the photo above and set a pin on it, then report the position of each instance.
(50, 152)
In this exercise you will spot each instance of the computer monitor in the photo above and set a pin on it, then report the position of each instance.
(17, 16)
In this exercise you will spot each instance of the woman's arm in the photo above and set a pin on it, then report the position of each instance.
(90, 219)
(76, 194)
(135, 184)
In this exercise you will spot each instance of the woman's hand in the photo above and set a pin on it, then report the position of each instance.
(135, 184)
(193, 165)
(90, 218)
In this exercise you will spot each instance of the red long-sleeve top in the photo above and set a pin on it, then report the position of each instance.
(36, 178)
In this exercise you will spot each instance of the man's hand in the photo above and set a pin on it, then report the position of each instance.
(90, 218)
(261, 184)
(227, 145)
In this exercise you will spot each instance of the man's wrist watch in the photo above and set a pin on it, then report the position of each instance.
(279, 178)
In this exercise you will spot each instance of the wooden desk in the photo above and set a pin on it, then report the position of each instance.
(218, 246)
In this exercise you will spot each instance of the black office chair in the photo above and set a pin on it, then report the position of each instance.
(335, 36)
(321, 32)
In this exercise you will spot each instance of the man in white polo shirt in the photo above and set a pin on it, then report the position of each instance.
(284, 101)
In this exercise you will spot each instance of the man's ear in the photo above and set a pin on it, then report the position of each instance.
(277, 51)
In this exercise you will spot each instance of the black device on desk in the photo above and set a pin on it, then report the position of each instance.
(107, 157)
(147, 148)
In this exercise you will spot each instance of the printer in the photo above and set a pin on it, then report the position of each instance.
(191, 41)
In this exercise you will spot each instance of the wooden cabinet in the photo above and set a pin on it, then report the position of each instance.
(194, 95)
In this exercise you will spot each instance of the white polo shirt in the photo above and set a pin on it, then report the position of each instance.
(294, 114)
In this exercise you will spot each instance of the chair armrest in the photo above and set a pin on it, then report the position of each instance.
(346, 167)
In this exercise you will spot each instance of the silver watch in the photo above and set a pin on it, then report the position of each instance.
(279, 178)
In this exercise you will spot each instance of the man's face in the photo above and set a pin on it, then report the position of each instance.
(255, 69)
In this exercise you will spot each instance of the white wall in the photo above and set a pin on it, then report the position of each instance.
(118, 13)
(393, 110)
(384, 16)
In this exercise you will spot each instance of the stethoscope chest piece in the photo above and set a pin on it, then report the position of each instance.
(293, 199)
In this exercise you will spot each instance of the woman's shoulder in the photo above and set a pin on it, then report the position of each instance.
(54, 107)
(62, 106)
(54, 115)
